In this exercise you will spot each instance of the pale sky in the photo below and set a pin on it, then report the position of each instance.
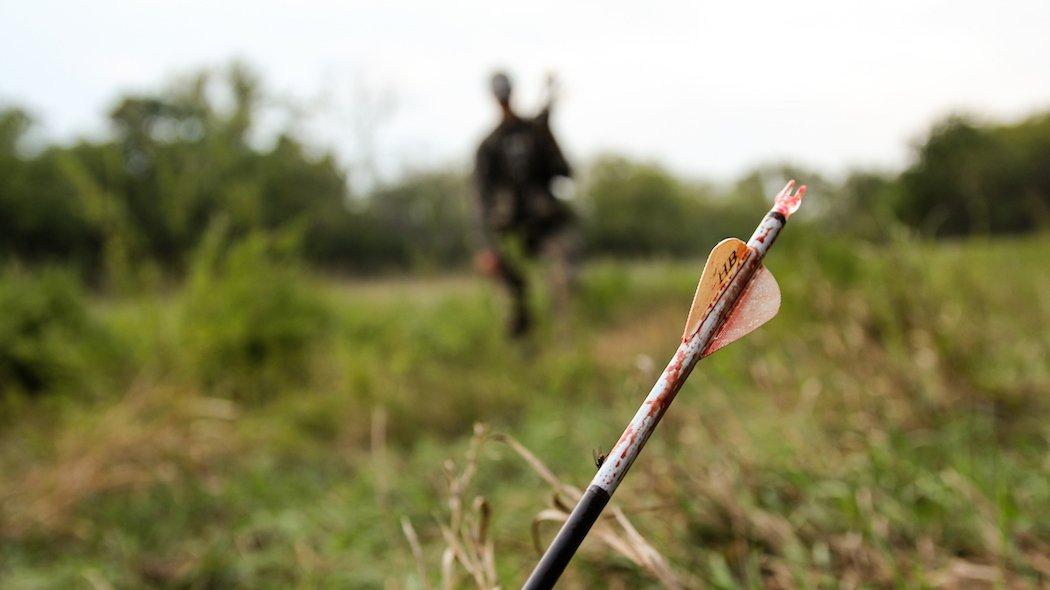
(708, 88)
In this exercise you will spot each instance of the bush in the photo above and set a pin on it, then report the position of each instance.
(249, 319)
(48, 340)
(637, 210)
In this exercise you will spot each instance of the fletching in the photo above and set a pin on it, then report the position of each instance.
(758, 304)
(722, 264)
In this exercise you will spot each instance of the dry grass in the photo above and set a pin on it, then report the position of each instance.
(871, 436)
(154, 436)
(469, 546)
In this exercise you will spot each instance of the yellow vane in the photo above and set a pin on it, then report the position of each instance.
(722, 264)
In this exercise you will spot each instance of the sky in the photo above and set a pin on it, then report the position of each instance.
(706, 88)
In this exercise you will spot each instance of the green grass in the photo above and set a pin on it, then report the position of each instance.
(888, 428)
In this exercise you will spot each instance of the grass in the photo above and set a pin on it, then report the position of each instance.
(888, 428)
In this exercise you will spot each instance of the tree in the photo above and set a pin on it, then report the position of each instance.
(974, 178)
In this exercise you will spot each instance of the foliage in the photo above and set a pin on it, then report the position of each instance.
(637, 209)
(641, 210)
(48, 339)
(42, 219)
(249, 321)
(176, 160)
(135, 204)
(883, 430)
(979, 178)
(430, 217)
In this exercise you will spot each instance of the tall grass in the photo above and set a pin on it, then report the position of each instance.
(887, 429)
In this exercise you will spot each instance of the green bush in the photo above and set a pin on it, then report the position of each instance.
(48, 340)
(249, 320)
(638, 209)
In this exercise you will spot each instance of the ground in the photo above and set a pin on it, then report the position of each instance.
(888, 428)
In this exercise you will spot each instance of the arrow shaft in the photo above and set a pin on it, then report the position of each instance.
(641, 427)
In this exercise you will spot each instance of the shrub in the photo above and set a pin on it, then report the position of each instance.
(48, 340)
(249, 319)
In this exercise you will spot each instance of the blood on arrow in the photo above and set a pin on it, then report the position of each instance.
(735, 295)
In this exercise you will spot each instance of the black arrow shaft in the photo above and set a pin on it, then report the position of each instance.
(570, 536)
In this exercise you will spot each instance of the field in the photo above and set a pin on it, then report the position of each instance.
(261, 427)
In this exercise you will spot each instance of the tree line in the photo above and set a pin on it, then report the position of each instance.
(177, 161)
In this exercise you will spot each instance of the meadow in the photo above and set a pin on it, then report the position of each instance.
(262, 426)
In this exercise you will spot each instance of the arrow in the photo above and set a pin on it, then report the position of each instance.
(736, 295)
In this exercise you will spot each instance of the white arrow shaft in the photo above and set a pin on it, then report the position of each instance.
(641, 427)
